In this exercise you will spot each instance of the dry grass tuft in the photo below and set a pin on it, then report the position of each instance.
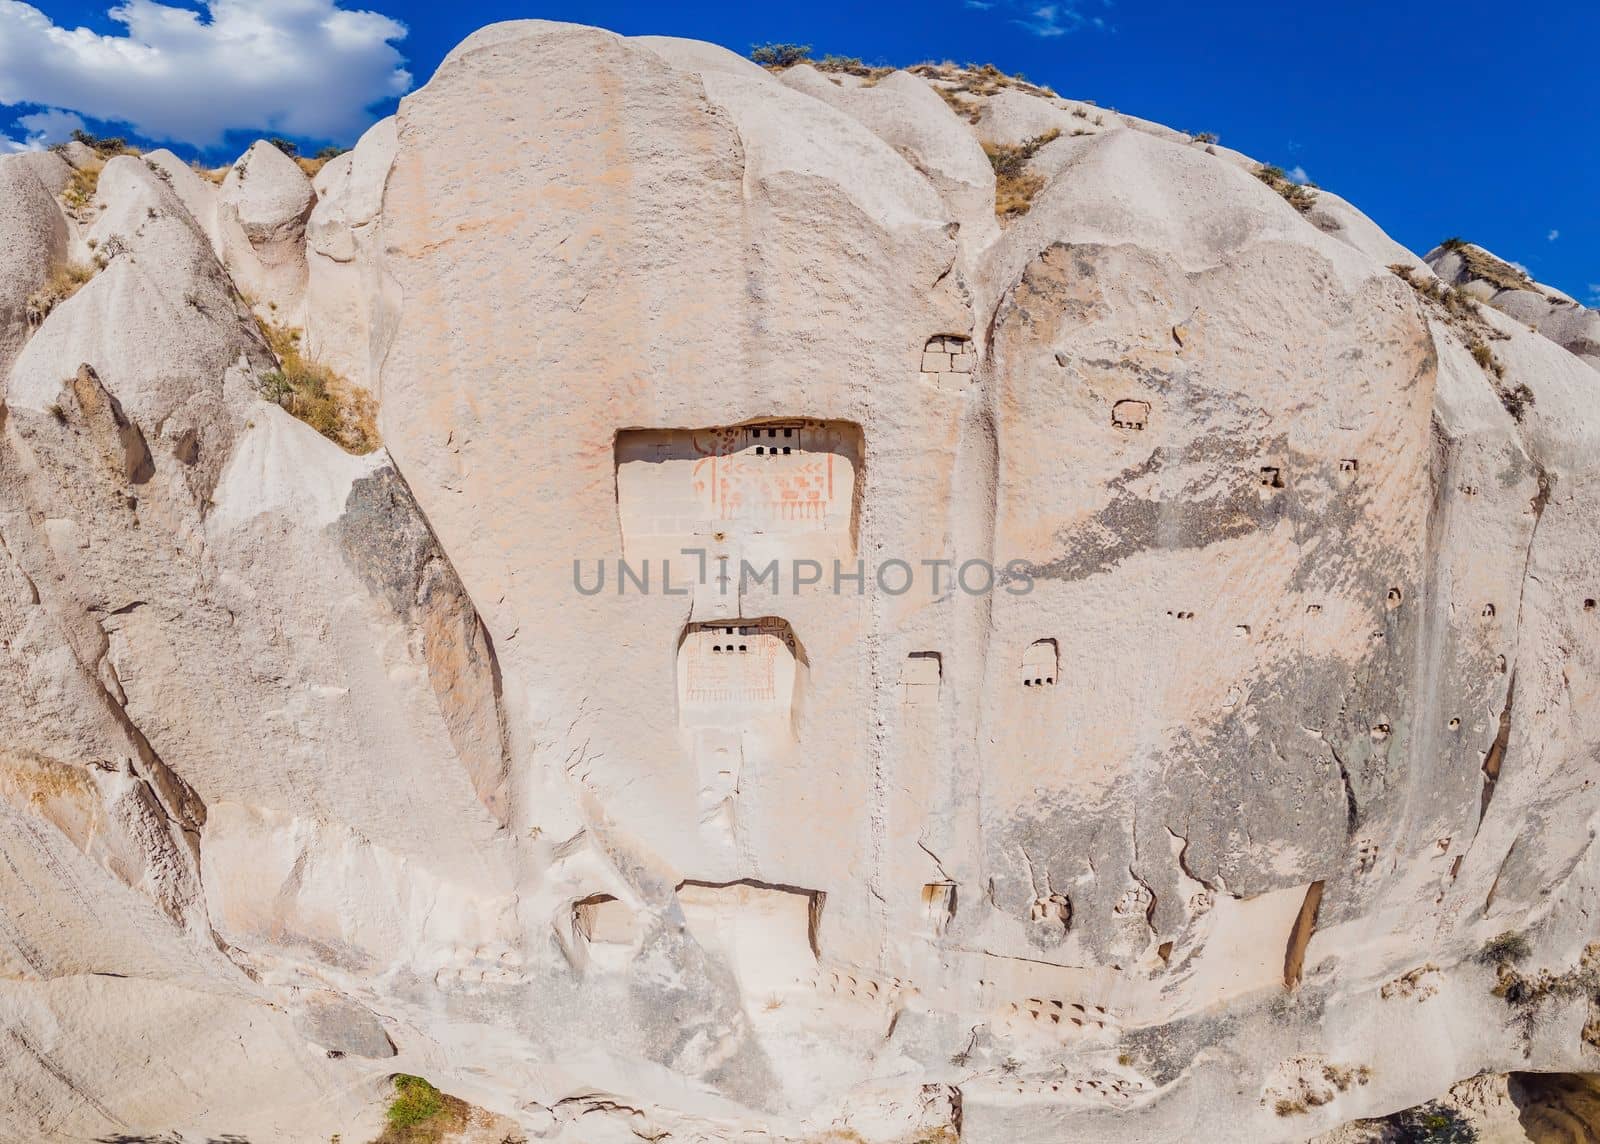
(1460, 310)
(850, 65)
(80, 191)
(209, 174)
(341, 412)
(1015, 185)
(63, 283)
(1481, 264)
(1301, 196)
(969, 109)
(979, 79)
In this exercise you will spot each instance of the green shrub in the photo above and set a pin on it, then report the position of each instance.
(779, 56)
(1434, 1123)
(415, 1100)
(421, 1114)
(287, 146)
(107, 145)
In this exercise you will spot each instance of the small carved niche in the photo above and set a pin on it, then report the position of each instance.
(1488, 611)
(792, 481)
(733, 671)
(1270, 477)
(1130, 413)
(1589, 605)
(1051, 911)
(604, 919)
(948, 353)
(1395, 598)
(1349, 467)
(1041, 664)
(920, 678)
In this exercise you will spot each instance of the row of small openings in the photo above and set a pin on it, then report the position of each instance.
(742, 630)
(772, 433)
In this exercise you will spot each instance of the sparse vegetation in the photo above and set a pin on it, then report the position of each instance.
(1431, 1123)
(780, 56)
(1516, 400)
(287, 146)
(1483, 265)
(330, 153)
(64, 281)
(1318, 1087)
(80, 189)
(1301, 196)
(317, 395)
(978, 79)
(210, 175)
(1014, 184)
(968, 109)
(1460, 309)
(850, 65)
(106, 145)
(1203, 136)
(420, 1113)
(1528, 993)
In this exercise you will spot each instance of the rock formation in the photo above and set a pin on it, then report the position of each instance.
(1124, 671)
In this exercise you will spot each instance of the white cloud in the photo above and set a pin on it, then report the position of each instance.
(1047, 20)
(42, 128)
(1594, 294)
(52, 125)
(1297, 174)
(1552, 236)
(296, 67)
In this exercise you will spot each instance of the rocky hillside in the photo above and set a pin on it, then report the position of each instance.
(1235, 782)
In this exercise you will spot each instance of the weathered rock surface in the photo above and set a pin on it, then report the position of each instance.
(262, 209)
(33, 234)
(1193, 821)
(1560, 318)
(349, 305)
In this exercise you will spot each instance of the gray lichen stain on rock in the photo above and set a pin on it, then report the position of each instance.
(388, 543)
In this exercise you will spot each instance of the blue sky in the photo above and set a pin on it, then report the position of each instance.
(1478, 118)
